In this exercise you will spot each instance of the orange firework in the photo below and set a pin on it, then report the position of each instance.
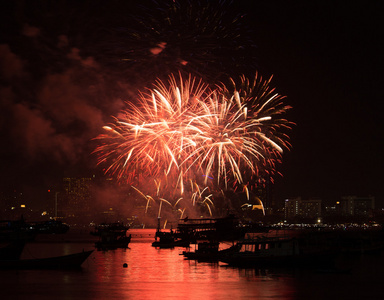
(185, 130)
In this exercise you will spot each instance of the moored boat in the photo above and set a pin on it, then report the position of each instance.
(204, 251)
(361, 242)
(110, 241)
(220, 229)
(103, 228)
(71, 261)
(111, 236)
(168, 240)
(12, 230)
(11, 250)
(209, 251)
(51, 227)
(277, 251)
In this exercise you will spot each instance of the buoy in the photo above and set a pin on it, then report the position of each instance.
(125, 265)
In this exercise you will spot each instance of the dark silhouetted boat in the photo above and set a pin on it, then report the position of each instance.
(357, 242)
(204, 251)
(72, 261)
(111, 236)
(208, 251)
(11, 230)
(11, 250)
(109, 227)
(262, 251)
(111, 241)
(168, 239)
(51, 227)
(164, 239)
(219, 229)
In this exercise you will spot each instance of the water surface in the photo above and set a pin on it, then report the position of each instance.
(152, 273)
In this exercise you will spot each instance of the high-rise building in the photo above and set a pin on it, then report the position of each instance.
(76, 198)
(356, 206)
(297, 207)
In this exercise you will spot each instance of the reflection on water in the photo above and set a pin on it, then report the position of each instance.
(164, 274)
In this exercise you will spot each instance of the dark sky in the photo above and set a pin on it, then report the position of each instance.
(326, 57)
(66, 67)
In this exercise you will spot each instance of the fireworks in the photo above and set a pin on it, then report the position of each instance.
(184, 130)
(151, 136)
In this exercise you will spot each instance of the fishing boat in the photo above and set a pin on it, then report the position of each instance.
(72, 261)
(111, 241)
(208, 251)
(109, 227)
(220, 229)
(12, 230)
(111, 236)
(278, 251)
(204, 251)
(361, 242)
(51, 227)
(168, 240)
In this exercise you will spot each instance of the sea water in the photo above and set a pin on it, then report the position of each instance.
(145, 272)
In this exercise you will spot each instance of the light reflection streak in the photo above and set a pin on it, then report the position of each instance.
(164, 274)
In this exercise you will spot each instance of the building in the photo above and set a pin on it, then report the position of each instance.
(301, 208)
(354, 206)
(76, 197)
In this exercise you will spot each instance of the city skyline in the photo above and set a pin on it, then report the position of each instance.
(86, 200)
(56, 93)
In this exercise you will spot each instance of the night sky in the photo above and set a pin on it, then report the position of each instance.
(67, 66)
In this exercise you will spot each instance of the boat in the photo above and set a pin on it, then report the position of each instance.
(220, 229)
(51, 227)
(111, 241)
(361, 242)
(12, 230)
(168, 240)
(109, 227)
(11, 250)
(207, 251)
(111, 236)
(204, 251)
(262, 251)
(71, 261)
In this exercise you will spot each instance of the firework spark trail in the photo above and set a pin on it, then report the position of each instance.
(266, 105)
(151, 135)
(237, 132)
(225, 139)
(183, 129)
(191, 199)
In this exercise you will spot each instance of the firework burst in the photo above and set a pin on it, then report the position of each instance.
(183, 131)
(267, 109)
(150, 136)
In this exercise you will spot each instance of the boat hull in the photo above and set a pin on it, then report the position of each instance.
(325, 259)
(171, 244)
(263, 251)
(11, 250)
(72, 261)
(112, 245)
